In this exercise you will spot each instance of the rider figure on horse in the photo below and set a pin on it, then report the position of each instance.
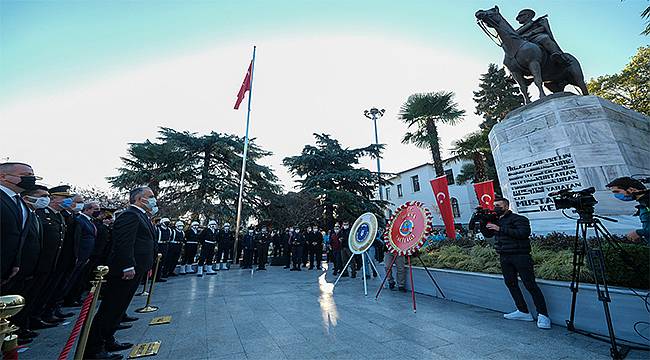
(539, 32)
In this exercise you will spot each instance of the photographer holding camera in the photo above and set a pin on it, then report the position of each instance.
(629, 189)
(511, 240)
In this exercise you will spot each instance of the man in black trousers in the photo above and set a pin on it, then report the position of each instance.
(14, 178)
(130, 259)
(511, 234)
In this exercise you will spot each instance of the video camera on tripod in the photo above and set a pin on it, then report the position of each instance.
(482, 217)
(581, 200)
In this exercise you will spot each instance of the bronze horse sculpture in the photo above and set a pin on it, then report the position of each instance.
(528, 62)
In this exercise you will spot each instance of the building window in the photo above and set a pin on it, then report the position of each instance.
(416, 183)
(454, 207)
(400, 193)
(387, 193)
(450, 176)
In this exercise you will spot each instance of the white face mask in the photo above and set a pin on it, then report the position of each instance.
(154, 210)
(40, 202)
(79, 207)
(179, 227)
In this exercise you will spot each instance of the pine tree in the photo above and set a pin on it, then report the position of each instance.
(198, 175)
(498, 95)
(328, 173)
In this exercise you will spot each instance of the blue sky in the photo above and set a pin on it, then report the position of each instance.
(48, 44)
(101, 74)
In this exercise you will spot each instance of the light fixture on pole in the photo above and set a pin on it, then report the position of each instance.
(375, 114)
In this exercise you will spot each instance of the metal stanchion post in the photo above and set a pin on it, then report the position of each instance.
(10, 305)
(148, 307)
(100, 272)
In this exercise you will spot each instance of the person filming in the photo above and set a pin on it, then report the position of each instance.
(629, 189)
(511, 240)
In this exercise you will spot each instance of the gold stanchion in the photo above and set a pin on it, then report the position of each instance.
(10, 305)
(148, 307)
(100, 272)
(144, 288)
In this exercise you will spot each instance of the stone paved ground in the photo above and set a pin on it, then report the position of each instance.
(279, 314)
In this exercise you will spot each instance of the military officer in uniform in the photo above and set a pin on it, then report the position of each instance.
(263, 239)
(190, 247)
(208, 238)
(164, 234)
(226, 243)
(175, 248)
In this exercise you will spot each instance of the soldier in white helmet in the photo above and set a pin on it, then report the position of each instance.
(208, 238)
(191, 244)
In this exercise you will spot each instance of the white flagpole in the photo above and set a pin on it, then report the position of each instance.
(243, 165)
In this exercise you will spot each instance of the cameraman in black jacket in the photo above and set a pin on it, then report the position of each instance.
(511, 240)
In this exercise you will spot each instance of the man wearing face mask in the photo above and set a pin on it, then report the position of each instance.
(286, 246)
(315, 246)
(192, 237)
(248, 246)
(130, 259)
(88, 230)
(25, 280)
(54, 230)
(629, 189)
(175, 247)
(511, 241)
(14, 179)
(297, 247)
(226, 243)
(262, 240)
(346, 253)
(164, 234)
(208, 240)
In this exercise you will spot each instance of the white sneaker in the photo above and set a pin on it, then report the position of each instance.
(181, 270)
(199, 271)
(210, 270)
(518, 315)
(543, 321)
(188, 269)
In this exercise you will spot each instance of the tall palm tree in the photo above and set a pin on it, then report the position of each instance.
(422, 112)
(474, 146)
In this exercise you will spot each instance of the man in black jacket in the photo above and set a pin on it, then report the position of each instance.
(14, 178)
(130, 259)
(511, 236)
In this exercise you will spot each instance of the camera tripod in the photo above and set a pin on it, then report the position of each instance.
(596, 261)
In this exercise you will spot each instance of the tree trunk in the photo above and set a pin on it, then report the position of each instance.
(434, 144)
(479, 167)
(205, 172)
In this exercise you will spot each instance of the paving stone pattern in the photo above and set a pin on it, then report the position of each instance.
(279, 314)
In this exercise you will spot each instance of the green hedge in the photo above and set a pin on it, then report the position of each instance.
(553, 258)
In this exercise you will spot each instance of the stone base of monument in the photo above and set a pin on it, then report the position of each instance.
(567, 141)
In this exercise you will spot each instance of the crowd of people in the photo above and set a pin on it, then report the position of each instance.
(53, 239)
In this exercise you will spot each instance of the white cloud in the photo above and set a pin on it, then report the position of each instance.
(302, 85)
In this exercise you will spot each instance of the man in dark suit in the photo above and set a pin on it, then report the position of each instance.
(24, 281)
(77, 282)
(130, 259)
(14, 178)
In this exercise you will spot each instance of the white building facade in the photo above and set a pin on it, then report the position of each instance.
(413, 185)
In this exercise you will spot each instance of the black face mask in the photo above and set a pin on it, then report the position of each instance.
(27, 182)
(499, 210)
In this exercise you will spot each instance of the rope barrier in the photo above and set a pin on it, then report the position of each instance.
(77, 326)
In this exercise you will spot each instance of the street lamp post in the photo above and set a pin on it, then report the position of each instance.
(375, 114)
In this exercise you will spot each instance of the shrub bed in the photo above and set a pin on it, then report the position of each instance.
(553, 258)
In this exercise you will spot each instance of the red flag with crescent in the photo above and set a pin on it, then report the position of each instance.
(245, 86)
(485, 194)
(441, 193)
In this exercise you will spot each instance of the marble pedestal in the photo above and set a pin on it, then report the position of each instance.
(569, 141)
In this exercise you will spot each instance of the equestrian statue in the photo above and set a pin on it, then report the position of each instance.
(531, 52)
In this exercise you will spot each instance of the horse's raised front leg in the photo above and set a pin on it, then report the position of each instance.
(519, 78)
(536, 70)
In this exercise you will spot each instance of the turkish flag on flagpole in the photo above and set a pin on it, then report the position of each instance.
(485, 194)
(441, 193)
(245, 86)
